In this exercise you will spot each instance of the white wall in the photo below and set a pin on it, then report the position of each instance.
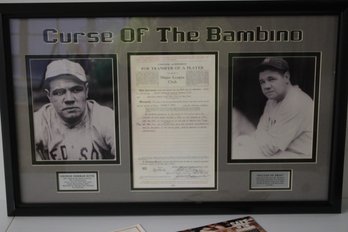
(4, 220)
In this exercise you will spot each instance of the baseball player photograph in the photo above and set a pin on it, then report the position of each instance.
(281, 107)
(73, 109)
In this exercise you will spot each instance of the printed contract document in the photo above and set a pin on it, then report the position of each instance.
(173, 119)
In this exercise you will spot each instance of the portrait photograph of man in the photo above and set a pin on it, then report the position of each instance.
(272, 109)
(73, 109)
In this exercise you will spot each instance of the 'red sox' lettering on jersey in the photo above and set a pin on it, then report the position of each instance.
(91, 139)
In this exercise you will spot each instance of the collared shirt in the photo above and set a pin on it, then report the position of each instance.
(287, 125)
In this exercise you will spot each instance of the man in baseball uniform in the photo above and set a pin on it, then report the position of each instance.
(70, 127)
(285, 129)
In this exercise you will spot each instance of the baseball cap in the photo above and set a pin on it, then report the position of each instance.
(274, 63)
(65, 67)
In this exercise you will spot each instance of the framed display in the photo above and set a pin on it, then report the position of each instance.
(173, 107)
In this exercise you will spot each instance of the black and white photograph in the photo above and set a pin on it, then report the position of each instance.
(273, 106)
(73, 108)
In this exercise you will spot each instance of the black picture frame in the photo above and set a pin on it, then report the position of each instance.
(19, 204)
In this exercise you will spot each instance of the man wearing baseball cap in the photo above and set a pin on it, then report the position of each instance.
(71, 127)
(285, 129)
